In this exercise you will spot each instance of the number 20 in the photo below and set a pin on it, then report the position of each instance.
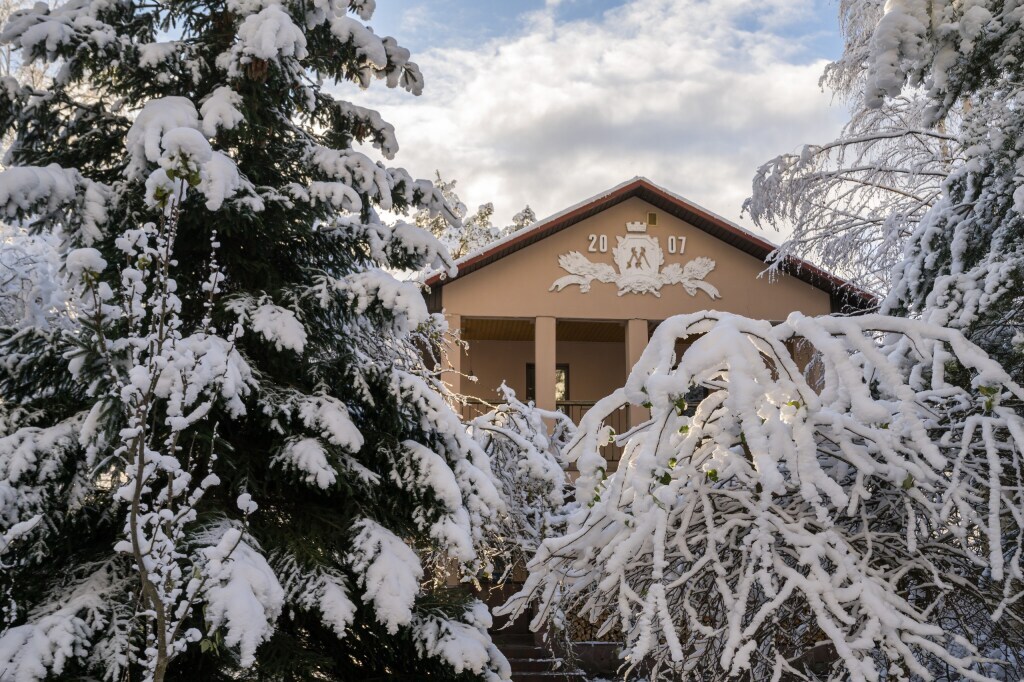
(598, 243)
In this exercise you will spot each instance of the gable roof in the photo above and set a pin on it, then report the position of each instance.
(845, 296)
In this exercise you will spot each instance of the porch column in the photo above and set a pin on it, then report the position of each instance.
(636, 342)
(544, 361)
(454, 351)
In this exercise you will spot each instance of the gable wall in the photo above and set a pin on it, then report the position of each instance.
(518, 285)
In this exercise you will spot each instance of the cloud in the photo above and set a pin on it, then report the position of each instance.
(694, 94)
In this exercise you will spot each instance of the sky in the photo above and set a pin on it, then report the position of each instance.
(548, 102)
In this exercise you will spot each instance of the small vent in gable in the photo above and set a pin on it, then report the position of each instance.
(652, 219)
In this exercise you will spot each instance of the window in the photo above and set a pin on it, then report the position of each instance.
(561, 382)
(652, 219)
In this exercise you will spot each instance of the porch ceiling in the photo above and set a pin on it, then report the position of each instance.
(484, 329)
(585, 330)
(493, 329)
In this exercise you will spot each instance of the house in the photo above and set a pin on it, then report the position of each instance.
(561, 310)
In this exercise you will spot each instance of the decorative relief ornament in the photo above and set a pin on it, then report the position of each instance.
(639, 258)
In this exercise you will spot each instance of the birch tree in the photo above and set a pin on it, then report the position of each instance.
(860, 520)
(850, 204)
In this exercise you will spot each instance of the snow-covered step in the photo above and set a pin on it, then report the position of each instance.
(536, 665)
(523, 651)
(549, 676)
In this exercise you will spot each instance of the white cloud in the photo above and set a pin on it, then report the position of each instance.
(694, 94)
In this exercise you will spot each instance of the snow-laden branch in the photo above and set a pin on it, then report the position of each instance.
(846, 486)
(852, 203)
(528, 470)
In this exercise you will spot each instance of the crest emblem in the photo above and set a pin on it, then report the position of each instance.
(639, 258)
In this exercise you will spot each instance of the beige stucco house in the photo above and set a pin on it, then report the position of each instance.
(561, 310)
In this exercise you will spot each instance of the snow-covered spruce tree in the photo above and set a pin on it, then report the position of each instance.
(859, 522)
(229, 456)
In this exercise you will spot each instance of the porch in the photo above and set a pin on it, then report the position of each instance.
(560, 364)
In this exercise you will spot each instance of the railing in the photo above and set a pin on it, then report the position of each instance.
(574, 409)
(618, 420)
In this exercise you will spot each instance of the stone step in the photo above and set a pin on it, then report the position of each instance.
(524, 651)
(536, 665)
(502, 639)
(549, 677)
(519, 626)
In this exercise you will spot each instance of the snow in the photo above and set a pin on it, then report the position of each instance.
(330, 417)
(59, 633)
(81, 261)
(161, 190)
(338, 611)
(383, 133)
(219, 180)
(246, 7)
(184, 147)
(31, 458)
(271, 34)
(412, 240)
(245, 504)
(280, 326)
(433, 472)
(355, 170)
(469, 462)
(401, 71)
(366, 44)
(242, 594)
(220, 111)
(364, 9)
(338, 194)
(22, 188)
(40, 30)
(376, 287)
(320, 590)
(308, 456)
(152, 55)
(17, 530)
(426, 473)
(160, 374)
(972, 24)
(204, 365)
(897, 39)
(852, 202)
(36, 190)
(389, 573)
(168, 132)
(465, 646)
(146, 133)
(529, 474)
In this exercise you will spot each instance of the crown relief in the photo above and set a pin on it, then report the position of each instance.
(639, 258)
